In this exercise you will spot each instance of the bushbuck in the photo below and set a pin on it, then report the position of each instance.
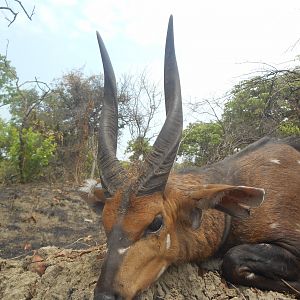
(245, 208)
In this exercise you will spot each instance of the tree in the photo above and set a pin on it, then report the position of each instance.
(7, 170)
(138, 148)
(37, 151)
(30, 99)
(74, 111)
(143, 101)
(200, 143)
(263, 105)
(69, 112)
(23, 99)
(3, 140)
(8, 78)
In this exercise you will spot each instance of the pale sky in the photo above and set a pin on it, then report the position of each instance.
(216, 41)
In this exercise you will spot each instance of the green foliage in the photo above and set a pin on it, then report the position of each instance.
(259, 106)
(199, 143)
(288, 128)
(7, 136)
(264, 105)
(246, 105)
(20, 102)
(64, 123)
(138, 148)
(39, 150)
(7, 78)
(8, 133)
(3, 139)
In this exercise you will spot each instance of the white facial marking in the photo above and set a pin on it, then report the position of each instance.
(168, 241)
(121, 251)
(298, 227)
(160, 272)
(275, 161)
(250, 276)
(274, 225)
(298, 162)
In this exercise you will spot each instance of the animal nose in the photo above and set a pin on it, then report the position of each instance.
(106, 296)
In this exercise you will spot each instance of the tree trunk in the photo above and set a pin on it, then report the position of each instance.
(95, 152)
(21, 155)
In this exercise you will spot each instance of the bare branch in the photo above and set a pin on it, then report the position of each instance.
(143, 101)
(46, 91)
(292, 47)
(29, 15)
(14, 13)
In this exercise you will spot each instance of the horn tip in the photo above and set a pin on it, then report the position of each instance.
(170, 31)
(98, 35)
(171, 21)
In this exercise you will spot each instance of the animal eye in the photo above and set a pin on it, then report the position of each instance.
(156, 224)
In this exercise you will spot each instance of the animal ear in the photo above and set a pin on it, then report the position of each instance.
(93, 194)
(233, 200)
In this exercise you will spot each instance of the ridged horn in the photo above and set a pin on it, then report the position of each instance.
(112, 173)
(159, 162)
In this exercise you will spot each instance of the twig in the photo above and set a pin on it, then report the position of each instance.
(15, 14)
(22, 255)
(291, 287)
(65, 247)
(72, 255)
(238, 290)
(78, 240)
(29, 16)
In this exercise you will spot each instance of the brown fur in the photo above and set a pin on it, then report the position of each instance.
(282, 205)
(275, 221)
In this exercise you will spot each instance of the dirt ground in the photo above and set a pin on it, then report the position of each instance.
(52, 247)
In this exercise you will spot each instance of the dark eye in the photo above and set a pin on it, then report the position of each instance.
(156, 224)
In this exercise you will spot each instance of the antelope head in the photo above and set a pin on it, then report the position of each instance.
(140, 211)
(134, 214)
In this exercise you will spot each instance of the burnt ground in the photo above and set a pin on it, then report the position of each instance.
(53, 226)
(37, 215)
